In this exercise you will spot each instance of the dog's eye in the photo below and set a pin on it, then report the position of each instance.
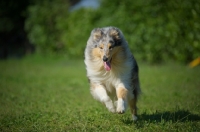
(101, 47)
(111, 42)
(110, 47)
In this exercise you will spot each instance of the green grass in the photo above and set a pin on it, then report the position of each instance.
(53, 95)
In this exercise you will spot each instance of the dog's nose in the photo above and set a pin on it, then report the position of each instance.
(105, 58)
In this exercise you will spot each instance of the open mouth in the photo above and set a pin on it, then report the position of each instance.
(107, 65)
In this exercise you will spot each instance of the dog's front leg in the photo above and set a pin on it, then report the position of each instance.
(122, 99)
(98, 91)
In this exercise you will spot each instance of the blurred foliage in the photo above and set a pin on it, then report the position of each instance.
(156, 30)
(12, 14)
(43, 25)
(78, 26)
(13, 39)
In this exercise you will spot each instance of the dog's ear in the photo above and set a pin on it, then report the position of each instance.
(97, 33)
(115, 34)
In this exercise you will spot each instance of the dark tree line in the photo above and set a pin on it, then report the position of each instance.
(13, 36)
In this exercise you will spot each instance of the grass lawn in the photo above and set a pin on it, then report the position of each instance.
(41, 94)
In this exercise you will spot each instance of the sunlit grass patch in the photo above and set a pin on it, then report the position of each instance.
(53, 95)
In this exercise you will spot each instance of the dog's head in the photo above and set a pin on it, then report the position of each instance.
(106, 42)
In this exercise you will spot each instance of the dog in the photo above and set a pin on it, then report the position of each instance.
(112, 70)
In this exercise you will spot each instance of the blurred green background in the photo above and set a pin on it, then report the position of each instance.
(47, 89)
(156, 30)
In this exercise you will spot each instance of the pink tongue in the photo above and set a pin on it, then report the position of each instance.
(107, 66)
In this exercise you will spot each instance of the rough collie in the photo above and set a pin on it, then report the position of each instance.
(112, 70)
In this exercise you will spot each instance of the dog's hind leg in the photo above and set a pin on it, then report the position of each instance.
(133, 108)
(133, 99)
(99, 93)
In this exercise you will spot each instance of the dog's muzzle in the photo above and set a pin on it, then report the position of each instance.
(107, 63)
(105, 58)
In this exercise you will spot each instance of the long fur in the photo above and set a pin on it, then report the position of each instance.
(112, 70)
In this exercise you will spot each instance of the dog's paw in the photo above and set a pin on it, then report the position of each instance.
(121, 106)
(134, 118)
(120, 111)
(110, 106)
(112, 110)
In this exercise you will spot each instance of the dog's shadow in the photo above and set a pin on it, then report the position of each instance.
(159, 117)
